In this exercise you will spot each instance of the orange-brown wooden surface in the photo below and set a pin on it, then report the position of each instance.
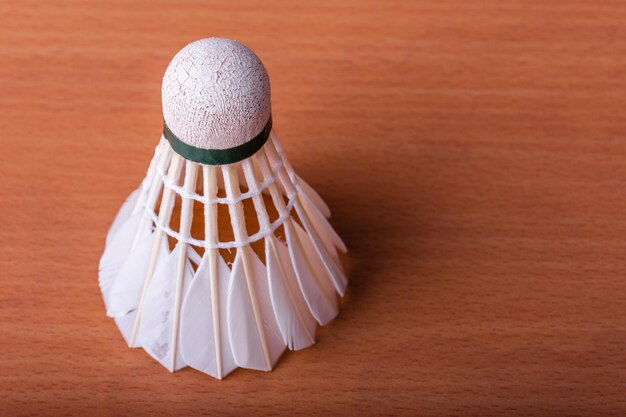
(473, 154)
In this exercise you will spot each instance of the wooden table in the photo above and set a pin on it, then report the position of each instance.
(473, 154)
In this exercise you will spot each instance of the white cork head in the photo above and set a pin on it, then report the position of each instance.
(216, 94)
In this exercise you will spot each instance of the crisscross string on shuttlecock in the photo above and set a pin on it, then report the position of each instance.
(220, 200)
(262, 233)
(250, 194)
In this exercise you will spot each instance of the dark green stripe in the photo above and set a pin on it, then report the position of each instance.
(218, 156)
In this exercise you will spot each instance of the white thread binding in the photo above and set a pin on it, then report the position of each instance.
(220, 200)
(262, 233)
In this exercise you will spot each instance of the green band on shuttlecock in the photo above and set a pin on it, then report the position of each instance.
(218, 156)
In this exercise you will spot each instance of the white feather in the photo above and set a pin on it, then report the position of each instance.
(193, 256)
(197, 341)
(123, 214)
(330, 263)
(310, 192)
(315, 283)
(128, 283)
(125, 326)
(295, 321)
(115, 254)
(260, 309)
(245, 339)
(155, 329)
(327, 234)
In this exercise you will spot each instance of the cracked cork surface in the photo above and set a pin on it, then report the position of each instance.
(216, 94)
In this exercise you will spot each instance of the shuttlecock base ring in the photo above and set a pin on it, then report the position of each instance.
(218, 156)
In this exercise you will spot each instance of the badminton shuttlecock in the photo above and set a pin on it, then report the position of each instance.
(219, 189)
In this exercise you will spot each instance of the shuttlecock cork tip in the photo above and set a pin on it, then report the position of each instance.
(216, 96)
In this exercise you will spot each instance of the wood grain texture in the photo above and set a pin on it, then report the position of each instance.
(473, 154)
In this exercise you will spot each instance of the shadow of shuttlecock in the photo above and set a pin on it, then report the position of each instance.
(366, 184)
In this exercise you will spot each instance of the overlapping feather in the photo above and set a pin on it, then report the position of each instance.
(199, 346)
(156, 326)
(255, 345)
(244, 316)
(297, 324)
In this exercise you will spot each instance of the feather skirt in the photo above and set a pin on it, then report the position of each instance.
(221, 267)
